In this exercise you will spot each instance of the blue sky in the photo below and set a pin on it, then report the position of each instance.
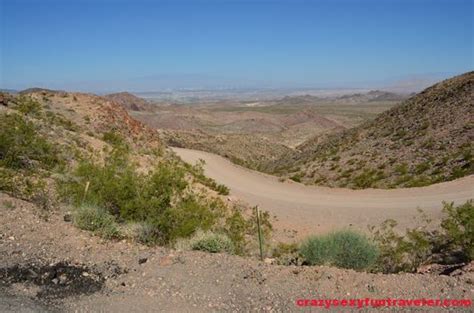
(150, 45)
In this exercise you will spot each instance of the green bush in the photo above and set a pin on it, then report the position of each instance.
(459, 227)
(284, 248)
(222, 189)
(117, 186)
(401, 253)
(197, 171)
(236, 227)
(159, 199)
(368, 178)
(114, 138)
(21, 146)
(149, 196)
(24, 186)
(97, 220)
(184, 219)
(209, 242)
(345, 249)
(452, 243)
(287, 254)
(60, 120)
(28, 106)
(112, 184)
(296, 178)
(142, 232)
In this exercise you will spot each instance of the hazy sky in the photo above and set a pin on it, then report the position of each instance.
(150, 45)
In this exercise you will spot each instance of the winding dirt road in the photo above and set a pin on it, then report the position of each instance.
(311, 209)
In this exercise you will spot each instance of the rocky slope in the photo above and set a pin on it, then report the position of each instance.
(129, 101)
(426, 139)
(248, 138)
(51, 140)
(243, 149)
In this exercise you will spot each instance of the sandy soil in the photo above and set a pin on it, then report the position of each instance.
(48, 265)
(310, 209)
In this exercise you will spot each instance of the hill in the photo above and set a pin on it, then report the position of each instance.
(129, 101)
(426, 139)
(244, 149)
(85, 154)
(371, 96)
(247, 137)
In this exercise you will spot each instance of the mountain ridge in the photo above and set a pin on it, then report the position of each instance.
(426, 139)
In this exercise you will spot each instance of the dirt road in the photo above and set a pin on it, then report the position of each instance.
(85, 273)
(310, 209)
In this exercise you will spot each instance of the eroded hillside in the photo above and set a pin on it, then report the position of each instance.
(84, 153)
(129, 101)
(426, 139)
(253, 134)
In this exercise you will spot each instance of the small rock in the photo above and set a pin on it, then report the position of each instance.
(85, 274)
(269, 261)
(55, 281)
(469, 267)
(62, 278)
(142, 260)
(67, 217)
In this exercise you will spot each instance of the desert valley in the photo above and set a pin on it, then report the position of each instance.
(236, 156)
(74, 151)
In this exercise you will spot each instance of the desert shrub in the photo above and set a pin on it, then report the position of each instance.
(149, 196)
(21, 146)
(158, 199)
(111, 184)
(401, 253)
(28, 106)
(452, 243)
(114, 138)
(266, 228)
(24, 186)
(422, 167)
(345, 249)
(117, 186)
(287, 254)
(237, 228)
(222, 189)
(296, 178)
(401, 169)
(242, 230)
(142, 232)
(59, 120)
(460, 171)
(419, 181)
(459, 227)
(284, 248)
(97, 220)
(367, 178)
(197, 171)
(209, 242)
(186, 218)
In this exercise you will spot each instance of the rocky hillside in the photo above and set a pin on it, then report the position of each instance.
(371, 96)
(129, 102)
(426, 139)
(243, 149)
(84, 153)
